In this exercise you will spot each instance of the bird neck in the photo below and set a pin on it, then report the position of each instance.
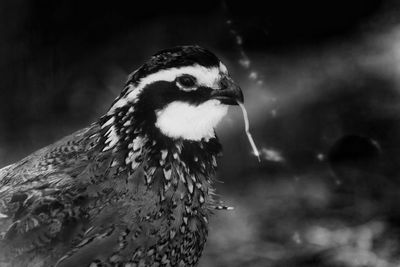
(178, 171)
(139, 144)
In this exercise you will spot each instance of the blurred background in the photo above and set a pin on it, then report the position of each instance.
(322, 89)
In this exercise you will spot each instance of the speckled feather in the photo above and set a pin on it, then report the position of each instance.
(117, 193)
(72, 192)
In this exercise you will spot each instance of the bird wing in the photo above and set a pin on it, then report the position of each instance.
(41, 194)
(53, 202)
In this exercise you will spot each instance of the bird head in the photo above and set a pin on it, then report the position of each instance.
(179, 93)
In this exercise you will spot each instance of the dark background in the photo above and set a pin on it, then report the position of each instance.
(321, 83)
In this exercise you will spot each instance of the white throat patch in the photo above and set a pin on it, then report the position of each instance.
(183, 120)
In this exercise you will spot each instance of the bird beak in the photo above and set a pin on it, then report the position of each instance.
(229, 92)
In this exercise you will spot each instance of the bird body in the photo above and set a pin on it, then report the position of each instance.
(133, 188)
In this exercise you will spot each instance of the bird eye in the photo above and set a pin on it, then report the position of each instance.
(186, 81)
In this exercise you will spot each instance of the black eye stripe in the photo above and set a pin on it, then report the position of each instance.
(186, 80)
(161, 93)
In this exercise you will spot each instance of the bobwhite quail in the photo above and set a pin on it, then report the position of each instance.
(135, 187)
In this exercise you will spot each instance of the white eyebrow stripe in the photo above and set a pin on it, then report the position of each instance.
(208, 77)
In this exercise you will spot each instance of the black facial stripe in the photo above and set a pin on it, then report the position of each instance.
(159, 94)
(198, 96)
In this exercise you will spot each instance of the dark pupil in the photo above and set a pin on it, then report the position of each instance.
(186, 81)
